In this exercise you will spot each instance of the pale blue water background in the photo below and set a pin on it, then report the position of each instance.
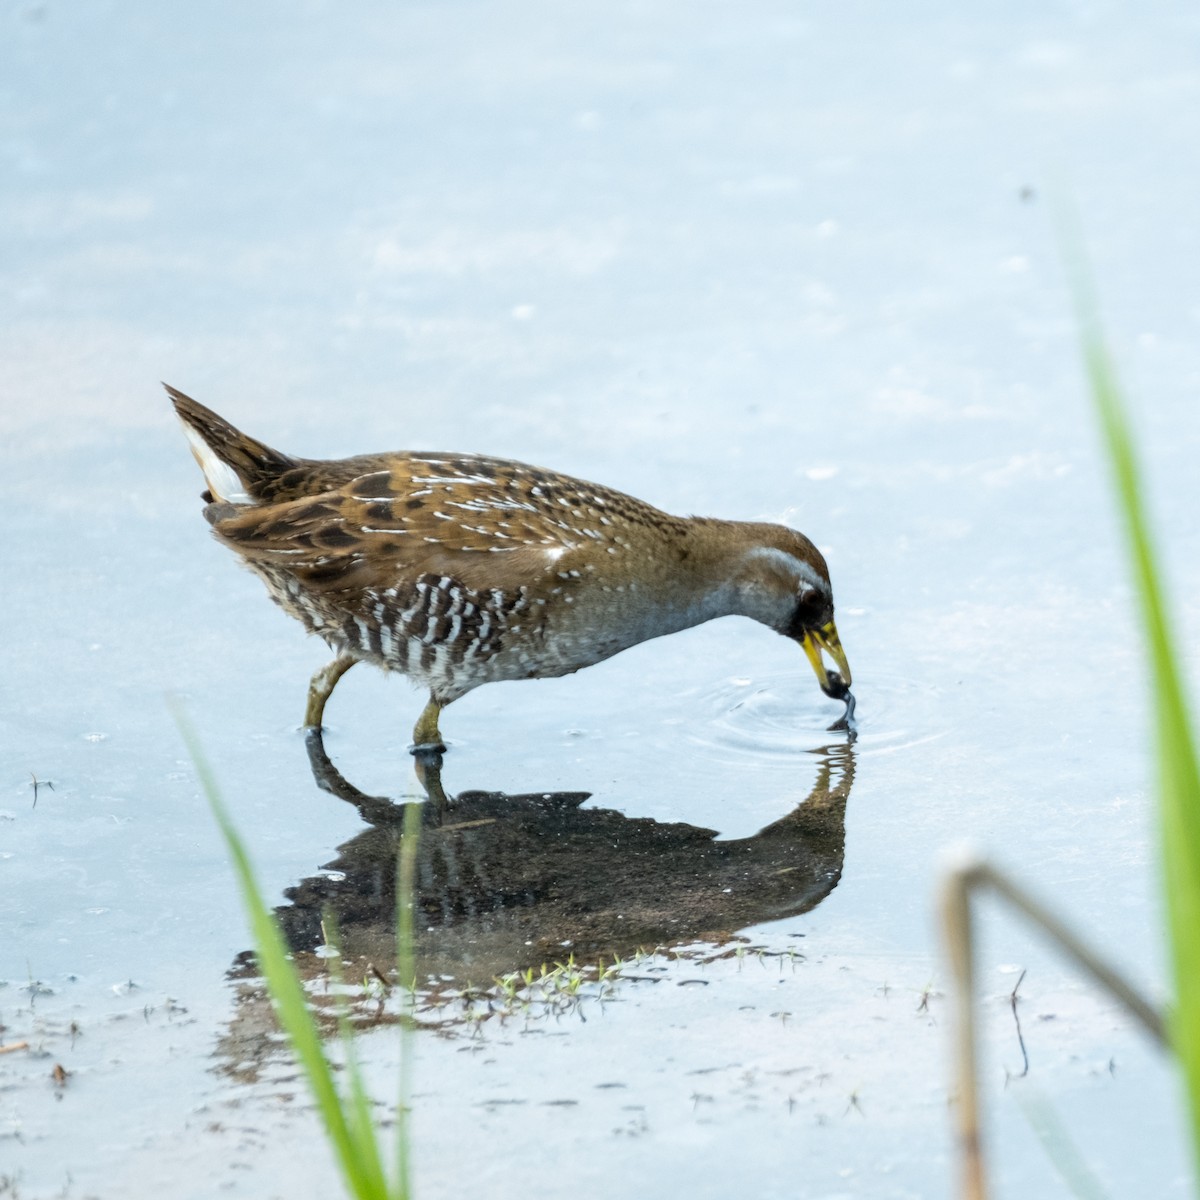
(758, 260)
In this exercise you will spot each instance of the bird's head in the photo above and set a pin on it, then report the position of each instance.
(785, 584)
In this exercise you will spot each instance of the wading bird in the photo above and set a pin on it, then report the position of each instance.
(459, 570)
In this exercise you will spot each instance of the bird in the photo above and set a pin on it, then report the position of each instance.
(461, 569)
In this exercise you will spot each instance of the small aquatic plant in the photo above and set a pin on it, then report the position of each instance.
(1178, 809)
(345, 1111)
(1175, 747)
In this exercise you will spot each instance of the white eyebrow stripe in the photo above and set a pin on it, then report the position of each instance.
(797, 565)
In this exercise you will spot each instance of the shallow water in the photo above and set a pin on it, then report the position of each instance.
(761, 263)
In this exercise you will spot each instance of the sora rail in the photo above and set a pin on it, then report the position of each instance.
(458, 570)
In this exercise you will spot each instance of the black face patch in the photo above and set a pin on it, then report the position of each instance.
(812, 612)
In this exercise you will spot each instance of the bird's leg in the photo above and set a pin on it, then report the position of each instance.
(426, 736)
(321, 688)
(428, 766)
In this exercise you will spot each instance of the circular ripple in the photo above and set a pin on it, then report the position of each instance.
(784, 713)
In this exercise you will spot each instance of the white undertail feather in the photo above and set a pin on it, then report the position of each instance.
(223, 481)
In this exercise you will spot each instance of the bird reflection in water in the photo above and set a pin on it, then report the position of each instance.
(507, 882)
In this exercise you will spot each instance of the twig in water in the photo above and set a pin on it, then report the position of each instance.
(39, 783)
(969, 874)
(1012, 1000)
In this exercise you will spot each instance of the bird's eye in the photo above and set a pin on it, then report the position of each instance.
(808, 614)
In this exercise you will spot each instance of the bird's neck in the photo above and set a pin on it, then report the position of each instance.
(734, 569)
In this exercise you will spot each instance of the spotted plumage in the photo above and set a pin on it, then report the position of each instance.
(459, 570)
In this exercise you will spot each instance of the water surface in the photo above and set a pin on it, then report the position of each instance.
(771, 262)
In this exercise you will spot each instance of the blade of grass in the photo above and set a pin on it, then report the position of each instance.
(1178, 770)
(406, 871)
(359, 1117)
(287, 991)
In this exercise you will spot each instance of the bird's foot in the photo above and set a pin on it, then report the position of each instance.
(427, 749)
(428, 767)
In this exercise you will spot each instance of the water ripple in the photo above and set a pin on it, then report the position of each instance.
(783, 714)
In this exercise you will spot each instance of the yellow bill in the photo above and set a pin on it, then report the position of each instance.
(834, 684)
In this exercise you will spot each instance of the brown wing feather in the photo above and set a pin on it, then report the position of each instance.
(428, 513)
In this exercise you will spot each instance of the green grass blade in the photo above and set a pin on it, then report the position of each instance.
(406, 972)
(1178, 771)
(406, 874)
(359, 1118)
(287, 991)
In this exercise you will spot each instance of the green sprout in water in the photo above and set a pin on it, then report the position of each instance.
(1178, 807)
(1175, 749)
(346, 1112)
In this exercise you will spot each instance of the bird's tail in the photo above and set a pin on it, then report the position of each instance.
(234, 465)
